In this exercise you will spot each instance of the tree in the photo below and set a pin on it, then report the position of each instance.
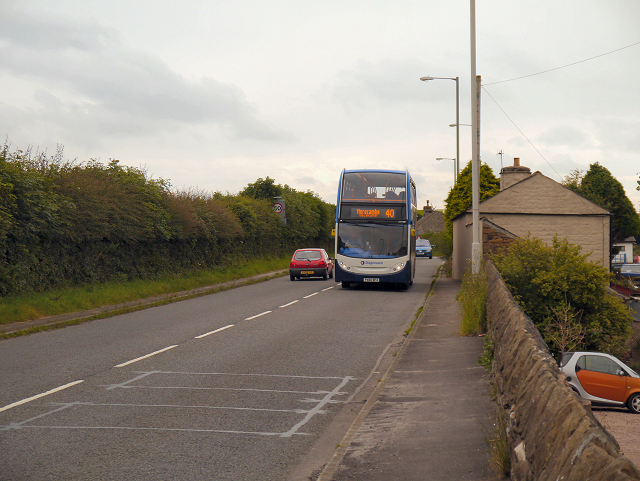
(565, 332)
(460, 195)
(601, 188)
(262, 189)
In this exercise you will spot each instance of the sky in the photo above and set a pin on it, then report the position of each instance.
(212, 95)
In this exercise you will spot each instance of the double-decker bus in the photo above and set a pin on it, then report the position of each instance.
(375, 227)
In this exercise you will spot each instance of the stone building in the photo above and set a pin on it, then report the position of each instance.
(532, 204)
(432, 220)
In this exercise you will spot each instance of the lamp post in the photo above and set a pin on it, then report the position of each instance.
(457, 124)
(455, 174)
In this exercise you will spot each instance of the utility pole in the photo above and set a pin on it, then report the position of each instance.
(476, 250)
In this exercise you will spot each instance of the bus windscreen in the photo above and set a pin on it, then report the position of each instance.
(374, 187)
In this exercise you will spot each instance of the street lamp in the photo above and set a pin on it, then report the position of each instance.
(456, 164)
(455, 174)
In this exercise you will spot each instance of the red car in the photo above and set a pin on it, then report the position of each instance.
(311, 263)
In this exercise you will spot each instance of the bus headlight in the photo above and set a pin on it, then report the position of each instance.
(344, 266)
(398, 267)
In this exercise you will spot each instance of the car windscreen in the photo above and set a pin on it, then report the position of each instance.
(308, 255)
(631, 268)
(372, 240)
(422, 243)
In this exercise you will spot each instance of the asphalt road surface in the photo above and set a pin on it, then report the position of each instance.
(255, 383)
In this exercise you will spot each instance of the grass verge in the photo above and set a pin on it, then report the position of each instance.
(473, 299)
(24, 307)
(498, 444)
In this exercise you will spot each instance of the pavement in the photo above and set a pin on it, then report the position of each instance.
(429, 417)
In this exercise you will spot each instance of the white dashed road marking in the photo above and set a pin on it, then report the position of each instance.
(213, 332)
(258, 315)
(292, 302)
(144, 357)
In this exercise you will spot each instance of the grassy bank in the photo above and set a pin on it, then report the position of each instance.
(24, 307)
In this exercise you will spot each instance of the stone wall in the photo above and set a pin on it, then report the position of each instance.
(495, 240)
(552, 434)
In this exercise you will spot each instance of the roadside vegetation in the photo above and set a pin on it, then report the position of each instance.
(67, 225)
(23, 307)
(441, 241)
(560, 290)
(473, 301)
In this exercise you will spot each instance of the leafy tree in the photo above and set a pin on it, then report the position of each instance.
(546, 280)
(262, 189)
(601, 188)
(460, 196)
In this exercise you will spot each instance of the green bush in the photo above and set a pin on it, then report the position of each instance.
(547, 279)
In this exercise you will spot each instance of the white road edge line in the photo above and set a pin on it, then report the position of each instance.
(292, 302)
(37, 396)
(328, 288)
(213, 332)
(261, 314)
(144, 357)
(310, 295)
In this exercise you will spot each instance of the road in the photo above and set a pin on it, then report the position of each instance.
(258, 382)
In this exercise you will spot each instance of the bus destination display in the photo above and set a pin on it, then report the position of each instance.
(370, 212)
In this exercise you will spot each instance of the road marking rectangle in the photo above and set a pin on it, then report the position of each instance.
(310, 295)
(146, 356)
(37, 396)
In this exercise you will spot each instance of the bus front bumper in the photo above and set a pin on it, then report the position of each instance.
(401, 277)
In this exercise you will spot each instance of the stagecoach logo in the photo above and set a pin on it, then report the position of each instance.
(370, 263)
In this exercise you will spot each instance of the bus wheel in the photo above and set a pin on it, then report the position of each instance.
(345, 285)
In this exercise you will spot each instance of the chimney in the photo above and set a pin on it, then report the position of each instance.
(427, 208)
(514, 174)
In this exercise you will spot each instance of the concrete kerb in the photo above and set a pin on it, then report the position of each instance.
(340, 452)
(107, 311)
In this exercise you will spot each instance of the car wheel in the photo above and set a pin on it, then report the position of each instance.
(325, 276)
(331, 275)
(292, 277)
(431, 257)
(633, 403)
(345, 285)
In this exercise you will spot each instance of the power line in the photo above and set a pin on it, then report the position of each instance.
(523, 134)
(582, 199)
(564, 66)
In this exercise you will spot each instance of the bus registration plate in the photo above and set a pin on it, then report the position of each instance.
(371, 279)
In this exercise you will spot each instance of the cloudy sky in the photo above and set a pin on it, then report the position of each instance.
(213, 94)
